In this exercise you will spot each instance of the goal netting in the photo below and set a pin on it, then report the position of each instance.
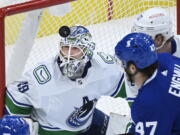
(32, 36)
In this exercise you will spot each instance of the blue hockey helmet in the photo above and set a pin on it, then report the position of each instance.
(138, 48)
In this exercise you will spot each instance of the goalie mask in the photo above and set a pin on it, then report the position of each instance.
(76, 49)
(156, 23)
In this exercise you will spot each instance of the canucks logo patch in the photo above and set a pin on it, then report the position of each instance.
(42, 74)
(81, 115)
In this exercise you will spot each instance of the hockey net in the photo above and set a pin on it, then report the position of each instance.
(30, 36)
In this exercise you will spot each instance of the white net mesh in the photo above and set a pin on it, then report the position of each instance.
(107, 20)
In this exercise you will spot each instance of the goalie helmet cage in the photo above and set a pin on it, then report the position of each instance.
(86, 13)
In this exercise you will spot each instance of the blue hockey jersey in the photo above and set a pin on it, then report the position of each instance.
(156, 110)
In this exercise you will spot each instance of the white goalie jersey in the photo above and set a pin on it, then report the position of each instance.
(58, 103)
(177, 46)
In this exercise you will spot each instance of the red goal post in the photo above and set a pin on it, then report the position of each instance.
(108, 21)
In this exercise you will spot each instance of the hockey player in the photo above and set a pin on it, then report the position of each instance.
(61, 94)
(13, 125)
(158, 24)
(155, 110)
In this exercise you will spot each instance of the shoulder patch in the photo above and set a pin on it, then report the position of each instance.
(106, 58)
(42, 74)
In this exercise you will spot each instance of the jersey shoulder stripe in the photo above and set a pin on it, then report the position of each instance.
(115, 93)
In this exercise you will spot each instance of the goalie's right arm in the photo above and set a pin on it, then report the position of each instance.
(20, 96)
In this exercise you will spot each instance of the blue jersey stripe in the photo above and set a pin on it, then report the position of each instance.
(50, 128)
(18, 103)
(131, 99)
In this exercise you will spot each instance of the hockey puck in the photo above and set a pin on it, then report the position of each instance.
(64, 31)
